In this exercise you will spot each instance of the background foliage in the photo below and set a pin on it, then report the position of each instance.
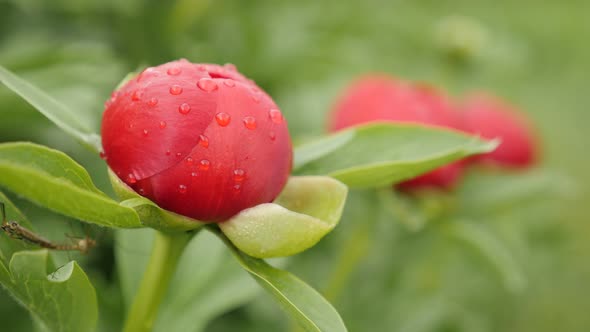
(513, 253)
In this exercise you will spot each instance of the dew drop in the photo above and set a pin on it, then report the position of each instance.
(237, 188)
(201, 68)
(153, 101)
(103, 155)
(145, 132)
(275, 115)
(229, 82)
(131, 178)
(222, 119)
(239, 175)
(204, 165)
(136, 95)
(250, 122)
(256, 98)
(162, 124)
(194, 174)
(207, 85)
(173, 71)
(178, 154)
(141, 191)
(168, 152)
(230, 66)
(182, 189)
(189, 161)
(175, 90)
(184, 108)
(272, 135)
(203, 141)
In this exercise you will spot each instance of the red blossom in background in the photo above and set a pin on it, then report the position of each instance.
(491, 118)
(381, 98)
(198, 139)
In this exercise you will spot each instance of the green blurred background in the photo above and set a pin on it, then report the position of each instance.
(521, 262)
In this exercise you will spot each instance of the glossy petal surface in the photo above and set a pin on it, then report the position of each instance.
(177, 134)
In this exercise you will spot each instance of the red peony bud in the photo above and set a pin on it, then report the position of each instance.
(491, 118)
(381, 98)
(200, 140)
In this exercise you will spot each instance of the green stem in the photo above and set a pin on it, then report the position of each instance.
(165, 255)
(351, 254)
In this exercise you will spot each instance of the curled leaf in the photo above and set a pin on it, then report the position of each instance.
(64, 300)
(307, 209)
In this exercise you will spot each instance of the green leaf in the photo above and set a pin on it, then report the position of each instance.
(307, 209)
(303, 303)
(56, 112)
(383, 154)
(493, 250)
(62, 301)
(149, 212)
(206, 284)
(487, 193)
(52, 179)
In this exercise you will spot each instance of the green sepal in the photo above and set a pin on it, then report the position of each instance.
(307, 209)
(150, 214)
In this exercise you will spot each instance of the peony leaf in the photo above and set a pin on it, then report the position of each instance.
(383, 154)
(52, 179)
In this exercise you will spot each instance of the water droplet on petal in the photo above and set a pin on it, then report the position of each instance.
(189, 161)
(230, 66)
(207, 85)
(131, 178)
(204, 165)
(184, 108)
(137, 95)
(145, 132)
(194, 174)
(178, 154)
(239, 175)
(275, 115)
(272, 135)
(182, 189)
(203, 141)
(256, 98)
(175, 90)
(103, 155)
(237, 188)
(141, 191)
(162, 124)
(153, 101)
(229, 82)
(173, 71)
(250, 122)
(168, 152)
(222, 119)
